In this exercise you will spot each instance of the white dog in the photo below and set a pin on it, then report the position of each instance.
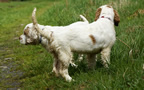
(31, 36)
(90, 39)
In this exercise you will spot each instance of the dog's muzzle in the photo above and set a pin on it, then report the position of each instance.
(22, 39)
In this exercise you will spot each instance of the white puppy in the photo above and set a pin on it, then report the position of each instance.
(31, 36)
(91, 39)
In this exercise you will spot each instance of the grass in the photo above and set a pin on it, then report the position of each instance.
(36, 63)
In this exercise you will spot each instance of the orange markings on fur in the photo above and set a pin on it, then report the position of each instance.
(92, 38)
(108, 6)
(97, 13)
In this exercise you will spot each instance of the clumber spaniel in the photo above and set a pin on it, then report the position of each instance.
(32, 37)
(91, 39)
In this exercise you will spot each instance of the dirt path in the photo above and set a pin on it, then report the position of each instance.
(10, 72)
(9, 75)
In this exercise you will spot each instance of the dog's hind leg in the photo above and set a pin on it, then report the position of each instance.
(91, 61)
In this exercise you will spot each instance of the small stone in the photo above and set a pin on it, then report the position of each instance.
(143, 66)
(15, 38)
(22, 24)
(7, 58)
(3, 67)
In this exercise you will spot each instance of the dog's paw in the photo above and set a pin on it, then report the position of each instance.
(68, 79)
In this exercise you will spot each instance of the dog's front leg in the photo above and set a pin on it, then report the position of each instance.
(72, 63)
(65, 59)
(105, 56)
(56, 67)
(64, 72)
(56, 64)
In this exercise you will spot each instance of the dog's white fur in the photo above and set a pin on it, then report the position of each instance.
(31, 36)
(91, 39)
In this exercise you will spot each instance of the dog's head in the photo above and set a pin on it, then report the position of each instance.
(30, 35)
(108, 12)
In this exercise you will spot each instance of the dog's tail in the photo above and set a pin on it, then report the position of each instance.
(35, 23)
(34, 17)
(84, 19)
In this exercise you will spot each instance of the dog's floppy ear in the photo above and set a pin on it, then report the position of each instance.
(97, 13)
(116, 18)
(26, 31)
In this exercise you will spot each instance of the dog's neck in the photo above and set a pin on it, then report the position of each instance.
(40, 36)
(42, 40)
(106, 18)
